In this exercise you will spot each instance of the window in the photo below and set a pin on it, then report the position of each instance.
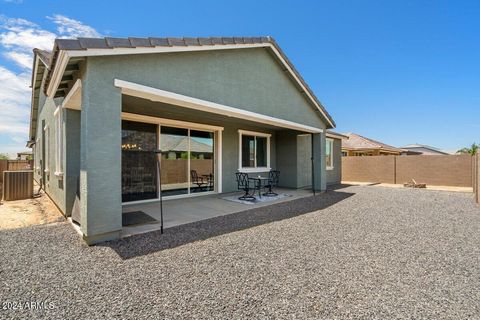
(344, 153)
(36, 155)
(46, 132)
(329, 153)
(58, 141)
(254, 151)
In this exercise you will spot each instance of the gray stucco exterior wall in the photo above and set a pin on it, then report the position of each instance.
(248, 79)
(100, 157)
(53, 184)
(334, 176)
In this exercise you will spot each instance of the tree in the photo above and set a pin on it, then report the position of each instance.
(4, 156)
(471, 151)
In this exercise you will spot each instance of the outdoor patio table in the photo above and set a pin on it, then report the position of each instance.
(259, 183)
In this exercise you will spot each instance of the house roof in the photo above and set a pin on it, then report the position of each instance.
(178, 143)
(64, 60)
(358, 142)
(429, 149)
(336, 135)
(45, 56)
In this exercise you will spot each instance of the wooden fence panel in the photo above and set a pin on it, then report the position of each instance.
(3, 167)
(15, 165)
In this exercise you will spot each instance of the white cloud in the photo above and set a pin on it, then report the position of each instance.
(14, 103)
(71, 28)
(18, 38)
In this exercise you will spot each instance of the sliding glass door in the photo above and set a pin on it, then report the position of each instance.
(202, 166)
(187, 161)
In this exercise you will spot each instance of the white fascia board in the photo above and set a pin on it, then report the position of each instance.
(58, 71)
(73, 100)
(141, 50)
(307, 92)
(154, 94)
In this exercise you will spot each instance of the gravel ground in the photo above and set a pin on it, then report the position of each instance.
(369, 252)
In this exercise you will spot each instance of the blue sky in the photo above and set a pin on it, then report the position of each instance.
(397, 71)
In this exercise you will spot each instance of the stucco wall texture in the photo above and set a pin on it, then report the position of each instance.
(447, 170)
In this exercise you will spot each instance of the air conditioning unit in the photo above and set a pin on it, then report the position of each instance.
(17, 185)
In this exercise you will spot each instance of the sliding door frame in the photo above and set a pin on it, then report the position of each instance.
(217, 149)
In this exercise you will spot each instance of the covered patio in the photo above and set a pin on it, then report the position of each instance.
(192, 209)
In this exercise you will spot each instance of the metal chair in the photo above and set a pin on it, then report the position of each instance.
(243, 183)
(199, 181)
(273, 177)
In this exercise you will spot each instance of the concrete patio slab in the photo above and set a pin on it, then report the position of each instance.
(187, 210)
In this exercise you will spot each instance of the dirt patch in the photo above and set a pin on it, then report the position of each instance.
(28, 212)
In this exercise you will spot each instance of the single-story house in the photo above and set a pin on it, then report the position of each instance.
(102, 107)
(358, 145)
(421, 149)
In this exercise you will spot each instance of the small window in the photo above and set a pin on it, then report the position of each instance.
(329, 154)
(254, 151)
(59, 141)
(46, 131)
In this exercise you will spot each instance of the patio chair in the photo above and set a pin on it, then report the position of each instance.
(273, 177)
(243, 183)
(199, 181)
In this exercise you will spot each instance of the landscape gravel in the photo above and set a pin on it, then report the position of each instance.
(359, 252)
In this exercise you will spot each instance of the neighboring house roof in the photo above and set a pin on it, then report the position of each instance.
(424, 149)
(178, 143)
(67, 53)
(335, 135)
(358, 142)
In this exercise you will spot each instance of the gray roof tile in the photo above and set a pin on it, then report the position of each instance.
(216, 40)
(205, 41)
(140, 42)
(93, 43)
(45, 56)
(238, 40)
(176, 41)
(228, 40)
(68, 44)
(191, 41)
(118, 42)
(160, 42)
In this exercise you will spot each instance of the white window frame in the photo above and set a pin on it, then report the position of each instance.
(58, 115)
(255, 135)
(46, 132)
(329, 141)
(36, 155)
